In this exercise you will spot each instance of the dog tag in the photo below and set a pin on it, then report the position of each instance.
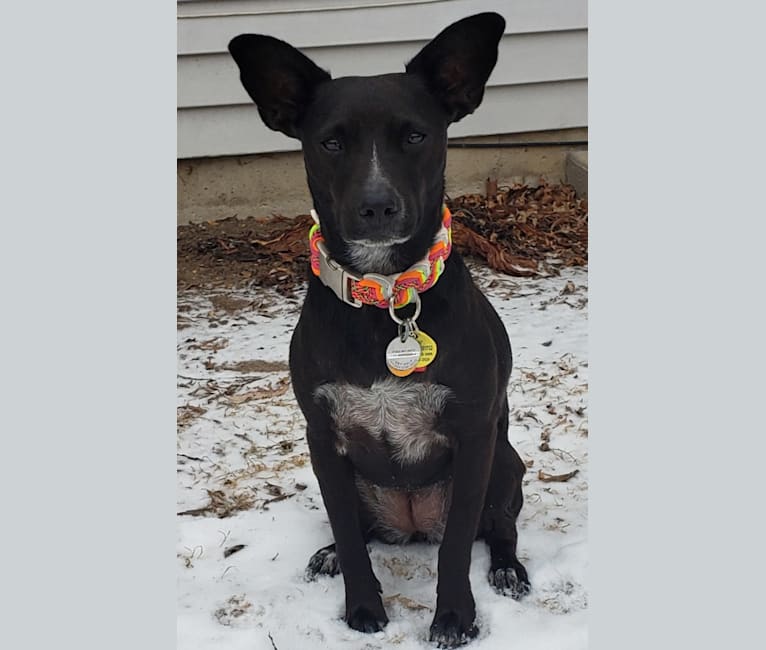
(427, 350)
(402, 355)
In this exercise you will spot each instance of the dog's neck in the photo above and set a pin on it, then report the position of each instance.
(380, 289)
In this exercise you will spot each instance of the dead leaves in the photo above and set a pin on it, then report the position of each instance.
(407, 603)
(246, 252)
(213, 391)
(186, 414)
(252, 365)
(280, 236)
(212, 345)
(274, 390)
(222, 504)
(497, 256)
(516, 230)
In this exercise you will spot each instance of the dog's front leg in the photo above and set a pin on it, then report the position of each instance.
(453, 623)
(364, 607)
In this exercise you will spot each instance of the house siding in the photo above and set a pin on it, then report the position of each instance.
(540, 82)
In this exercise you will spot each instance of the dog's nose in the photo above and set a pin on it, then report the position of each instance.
(379, 206)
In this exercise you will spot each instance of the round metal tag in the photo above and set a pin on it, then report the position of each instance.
(402, 356)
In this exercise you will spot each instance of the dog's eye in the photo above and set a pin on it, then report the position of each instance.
(415, 137)
(332, 145)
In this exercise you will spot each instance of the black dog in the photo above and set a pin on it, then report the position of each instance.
(399, 455)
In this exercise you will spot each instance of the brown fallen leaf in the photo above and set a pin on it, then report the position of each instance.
(187, 413)
(222, 504)
(406, 602)
(214, 344)
(529, 414)
(233, 549)
(569, 288)
(497, 256)
(556, 478)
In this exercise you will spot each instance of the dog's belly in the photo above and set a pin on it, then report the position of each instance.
(402, 463)
(407, 514)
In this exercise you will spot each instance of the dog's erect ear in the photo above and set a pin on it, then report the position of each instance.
(280, 79)
(458, 62)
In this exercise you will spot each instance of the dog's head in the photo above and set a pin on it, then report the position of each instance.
(374, 147)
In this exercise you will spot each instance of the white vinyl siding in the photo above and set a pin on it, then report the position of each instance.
(540, 81)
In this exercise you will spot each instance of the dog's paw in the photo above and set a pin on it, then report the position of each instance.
(449, 631)
(323, 562)
(510, 582)
(367, 619)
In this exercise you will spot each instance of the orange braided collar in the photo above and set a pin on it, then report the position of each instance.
(380, 290)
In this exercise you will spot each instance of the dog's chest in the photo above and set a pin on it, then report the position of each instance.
(394, 417)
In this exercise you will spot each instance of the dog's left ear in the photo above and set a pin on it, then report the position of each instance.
(457, 63)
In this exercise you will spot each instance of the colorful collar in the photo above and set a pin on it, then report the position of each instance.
(381, 290)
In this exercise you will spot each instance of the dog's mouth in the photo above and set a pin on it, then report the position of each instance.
(379, 243)
(378, 235)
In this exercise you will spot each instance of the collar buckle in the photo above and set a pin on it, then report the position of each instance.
(336, 277)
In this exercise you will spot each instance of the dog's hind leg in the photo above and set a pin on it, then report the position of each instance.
(325, 560)
(501, 509)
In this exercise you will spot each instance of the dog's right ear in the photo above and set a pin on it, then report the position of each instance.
(280, 79)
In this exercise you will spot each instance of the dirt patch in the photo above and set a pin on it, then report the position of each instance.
(520, 230)
(243, 253)
(230, 304)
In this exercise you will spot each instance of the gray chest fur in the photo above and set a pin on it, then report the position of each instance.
(399, 411)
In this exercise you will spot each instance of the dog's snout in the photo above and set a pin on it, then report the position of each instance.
(379, 205)
(376, 215)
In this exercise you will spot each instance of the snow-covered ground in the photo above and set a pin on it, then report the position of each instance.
(242, 454)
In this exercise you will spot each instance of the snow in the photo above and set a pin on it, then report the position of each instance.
(241, 437)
